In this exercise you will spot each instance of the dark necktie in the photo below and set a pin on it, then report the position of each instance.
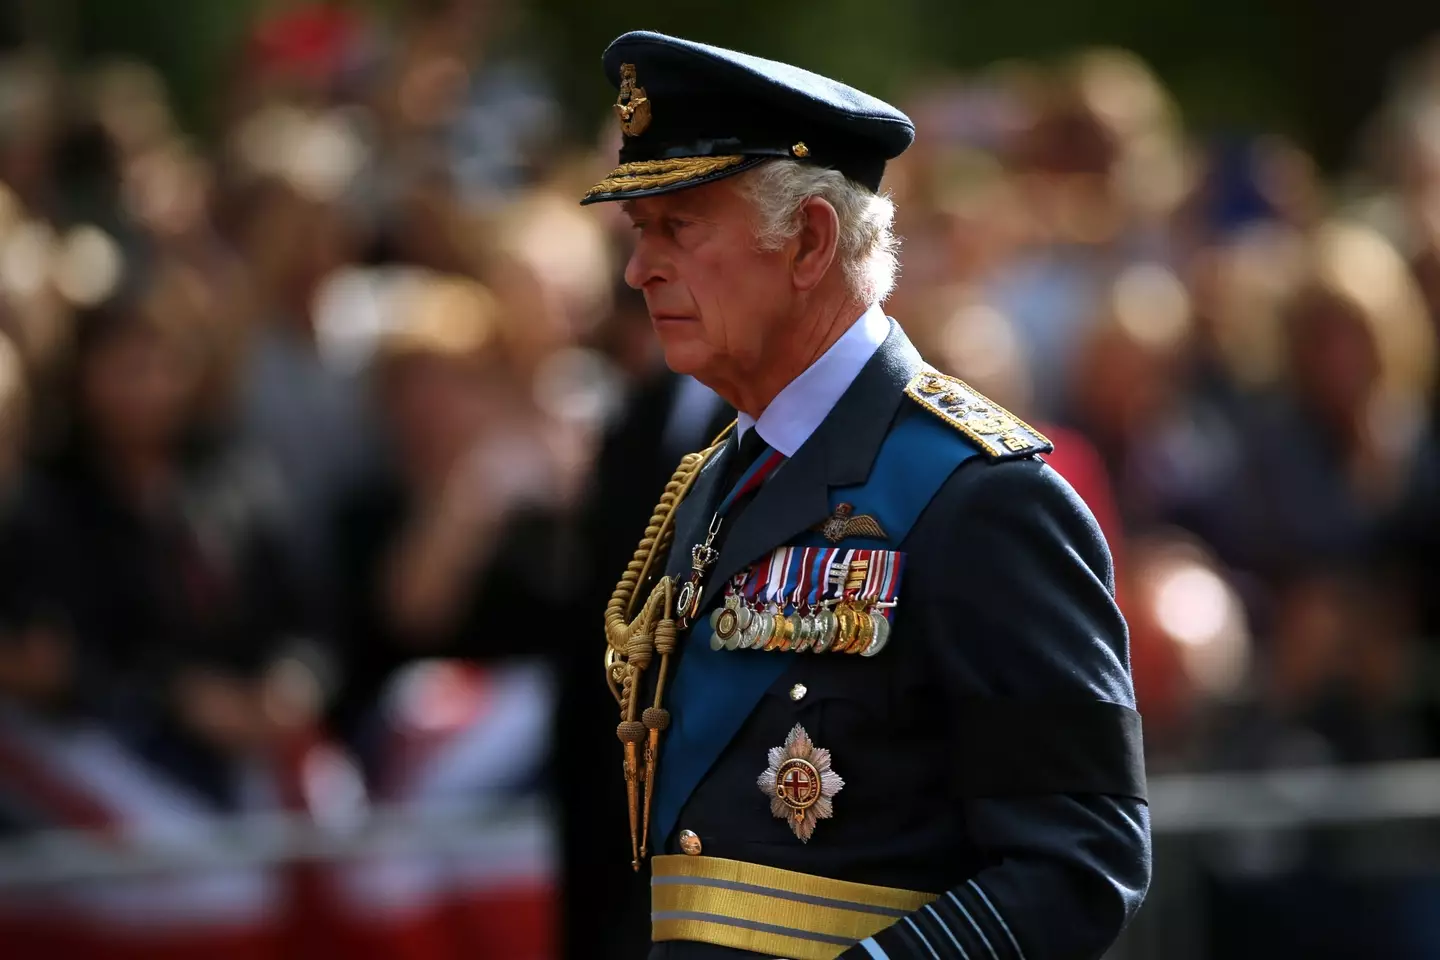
(751, 446)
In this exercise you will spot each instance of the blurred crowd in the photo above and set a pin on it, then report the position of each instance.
(338, 426)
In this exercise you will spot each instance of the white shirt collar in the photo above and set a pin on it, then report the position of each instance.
(797, 410)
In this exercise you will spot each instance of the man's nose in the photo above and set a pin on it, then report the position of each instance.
(644, 265)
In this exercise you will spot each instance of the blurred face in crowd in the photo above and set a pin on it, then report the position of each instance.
(1121, 385)
(137, 384)
(1334, 356)
(292, 244)
(435, 407)
(718, 303)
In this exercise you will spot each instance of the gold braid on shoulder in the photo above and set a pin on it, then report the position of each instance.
(632, 640)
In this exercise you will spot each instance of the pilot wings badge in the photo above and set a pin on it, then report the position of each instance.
(842, 525)
(800, 784)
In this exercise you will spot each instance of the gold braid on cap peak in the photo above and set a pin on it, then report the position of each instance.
(649, 174)
(630, 644)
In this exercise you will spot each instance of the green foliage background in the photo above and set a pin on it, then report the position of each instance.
(1310, 68)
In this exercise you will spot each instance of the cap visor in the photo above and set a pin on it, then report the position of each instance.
(649, 178)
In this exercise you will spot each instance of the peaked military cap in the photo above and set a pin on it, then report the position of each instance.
(692, 113)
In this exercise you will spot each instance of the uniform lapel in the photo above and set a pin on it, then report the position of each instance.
(713, 692)
(692, 517)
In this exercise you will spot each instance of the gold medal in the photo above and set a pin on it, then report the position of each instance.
(780, 637)
(846, 628)
(864, 631)
(792, 624)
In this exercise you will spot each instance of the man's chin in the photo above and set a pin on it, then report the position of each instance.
(688, 359)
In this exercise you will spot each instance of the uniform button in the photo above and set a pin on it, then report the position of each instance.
(798, 692)
(690, 843)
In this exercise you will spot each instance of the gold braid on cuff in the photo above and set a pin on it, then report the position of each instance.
(649, 174)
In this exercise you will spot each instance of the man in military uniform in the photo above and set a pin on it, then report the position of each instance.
(874, 689)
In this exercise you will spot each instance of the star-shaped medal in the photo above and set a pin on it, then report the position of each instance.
(800, 784)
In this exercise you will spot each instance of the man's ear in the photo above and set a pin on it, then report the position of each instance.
(816, 243)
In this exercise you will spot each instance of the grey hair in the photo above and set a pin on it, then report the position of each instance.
(867, 247)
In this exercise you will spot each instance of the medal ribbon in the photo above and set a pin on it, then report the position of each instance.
(756, 587)
(778, 573)
(736, 586)
(855, 593)
(875, 575)
(835, 574)
(803, 562)
(819, 570)
(890, 586)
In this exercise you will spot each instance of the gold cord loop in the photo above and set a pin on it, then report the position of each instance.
(631, 645)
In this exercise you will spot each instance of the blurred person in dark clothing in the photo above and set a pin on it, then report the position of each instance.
(1327, 454)
(151, 542)
(1097, 172)
(1131, 397)
(310, 418)
(1304, 517)
(35, 656)
(463, 95)
(452, 549)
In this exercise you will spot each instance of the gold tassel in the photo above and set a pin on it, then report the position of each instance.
(631, 644)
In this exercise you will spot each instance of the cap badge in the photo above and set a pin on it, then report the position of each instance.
(800, 784)
(633, 104)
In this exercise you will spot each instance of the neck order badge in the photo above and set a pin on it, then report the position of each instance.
(704, 555)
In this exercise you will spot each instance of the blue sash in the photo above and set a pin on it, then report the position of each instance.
(714, 691)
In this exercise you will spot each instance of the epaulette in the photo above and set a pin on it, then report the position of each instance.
(998, 433)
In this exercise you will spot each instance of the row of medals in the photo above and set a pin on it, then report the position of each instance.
(845, 626)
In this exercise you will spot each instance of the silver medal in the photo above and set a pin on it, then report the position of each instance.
(766, 628)
(751, 633)
(804, 634)
(882, 635)
(825, 628)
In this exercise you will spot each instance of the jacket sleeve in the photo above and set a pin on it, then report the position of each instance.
(1014, 595)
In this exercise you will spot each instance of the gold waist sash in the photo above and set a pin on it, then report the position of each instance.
(767, 910)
